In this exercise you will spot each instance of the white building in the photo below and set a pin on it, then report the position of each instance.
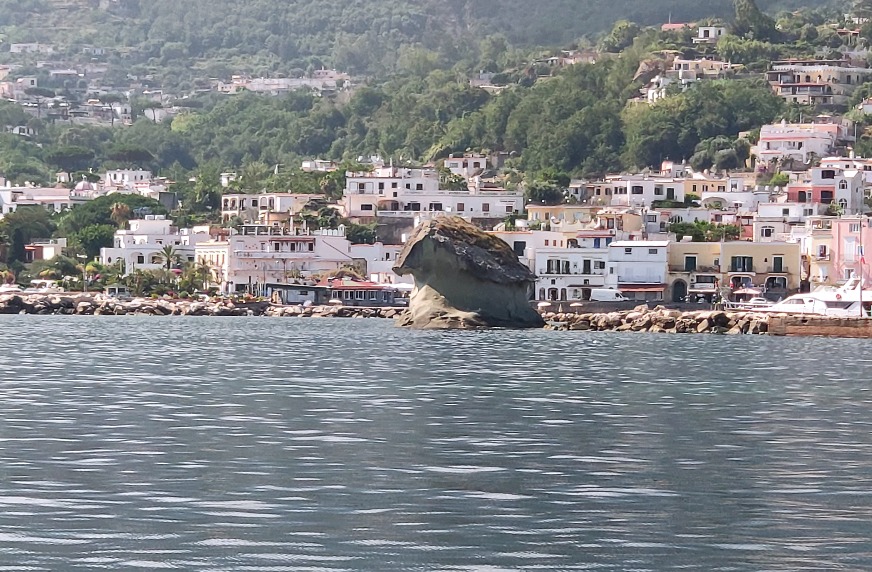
(256, 208)
(569, 273)
(466, 165)
(709, 34)
(379, 260)
(638, 268)
(141, 246)
(52, 199)
(255, 255)
(405, 192)
(638, 190)
(797, 141)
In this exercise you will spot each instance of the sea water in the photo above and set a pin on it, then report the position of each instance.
(225, 444)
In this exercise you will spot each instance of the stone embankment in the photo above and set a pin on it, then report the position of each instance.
(84, 304)
(660, 319)
(640, 319)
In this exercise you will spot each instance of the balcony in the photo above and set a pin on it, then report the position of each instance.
(680, 268)
(782, 270)
(548, 272)
(272, 255)
(742, 270)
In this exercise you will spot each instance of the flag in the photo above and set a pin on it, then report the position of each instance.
(862, 253)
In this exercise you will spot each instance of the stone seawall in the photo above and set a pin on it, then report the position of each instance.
(84, 304)
(639, 319)
(660, 319)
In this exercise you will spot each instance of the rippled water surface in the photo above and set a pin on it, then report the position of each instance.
(271, 445)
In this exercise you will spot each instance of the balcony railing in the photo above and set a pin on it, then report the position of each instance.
(698, 270)
(553, 272)
(774, 270)
(742, 270)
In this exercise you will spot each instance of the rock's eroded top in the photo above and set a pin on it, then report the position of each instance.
(483, 255)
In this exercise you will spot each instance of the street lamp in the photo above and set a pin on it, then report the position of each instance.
(84, 258)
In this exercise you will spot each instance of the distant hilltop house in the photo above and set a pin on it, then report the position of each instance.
(31, 48)
(323, 81)
(709, 34)
(816, 82)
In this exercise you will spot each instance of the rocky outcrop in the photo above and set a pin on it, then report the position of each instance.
(663, 320)
(464, 278)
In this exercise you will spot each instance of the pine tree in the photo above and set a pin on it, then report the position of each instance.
(751, 23)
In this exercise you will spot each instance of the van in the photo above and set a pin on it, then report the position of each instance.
(606, 295)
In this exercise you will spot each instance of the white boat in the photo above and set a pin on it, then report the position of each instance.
(842, 301)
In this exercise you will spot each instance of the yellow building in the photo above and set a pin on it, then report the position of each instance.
(694, 270)
(697, 269)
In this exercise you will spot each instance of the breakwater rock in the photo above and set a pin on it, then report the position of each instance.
(464, 278)
(84, 304)
(660, 319)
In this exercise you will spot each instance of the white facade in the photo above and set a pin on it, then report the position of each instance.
(709, 34)
(125, 178)
(252, 208)
(255, 255)
(642, 190)
(638, 268)
(569, 274)
(796, 141)
(404, 192)
(379, 259)
(466, 165)
(53, 199)
(140, 247)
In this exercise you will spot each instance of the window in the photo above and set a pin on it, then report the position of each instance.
(419, 187)
(637, 190)
(461, 207)
(518, 247)
(785, 212)
(394, 186)
(599, 264)
(366, 207)
(689, 263)
(381, 186)
(828, 174)
(658, 191)
(140, 259)
(742, 264)
(509, 209)
(652, 218)
(767, 231)
(485, 207)
(855, 227)
(628, 251)
(653, 251)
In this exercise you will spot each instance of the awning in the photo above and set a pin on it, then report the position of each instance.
(643, 288)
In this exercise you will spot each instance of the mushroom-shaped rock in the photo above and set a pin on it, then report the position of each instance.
(464, 278)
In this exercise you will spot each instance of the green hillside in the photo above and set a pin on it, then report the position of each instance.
(361, 36)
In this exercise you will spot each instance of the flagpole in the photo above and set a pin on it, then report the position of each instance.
(862, 262)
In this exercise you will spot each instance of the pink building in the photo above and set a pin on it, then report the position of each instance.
(847, 249)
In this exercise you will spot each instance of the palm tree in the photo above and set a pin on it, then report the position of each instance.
(121, 213)
(170, 256)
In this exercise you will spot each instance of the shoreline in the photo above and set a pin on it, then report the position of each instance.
(640, 319)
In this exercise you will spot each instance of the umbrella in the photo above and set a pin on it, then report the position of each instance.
(335, 301)
(543, 304)
(747, 292)
(576, 305)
